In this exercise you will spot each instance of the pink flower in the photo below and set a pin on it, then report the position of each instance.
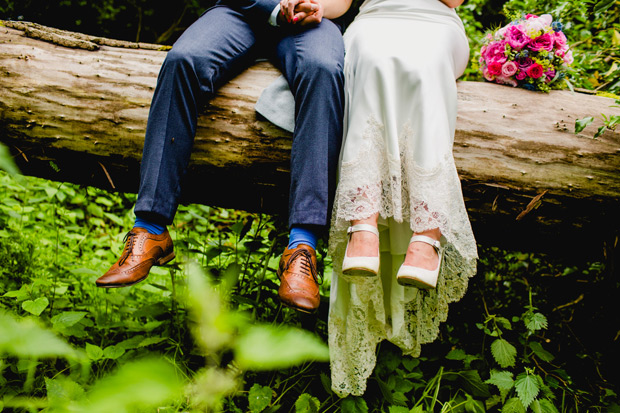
(506, 81)
(494, 68)
(568, 58)
(530, 16)
(509, 69)
(550, 74)
(560, 40)
(516, 37)
(487, 75)
(495, 52)
(535, 71)
(543, 42)
(521, 75)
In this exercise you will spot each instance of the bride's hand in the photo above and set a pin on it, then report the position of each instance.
(302, 12)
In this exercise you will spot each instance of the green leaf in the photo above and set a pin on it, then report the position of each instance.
(113, 352)
(474, 406)
(503, 322)
(93, 351)
(277, 347)
(6, 161)
(307, 404)
(37, 306)
(353, 404)
(67, 319)
(603, 5)
(527, 388)
(411, 363)
(546, 406)
(259, 398)
(398, 409)
(456, 354)
(535, 321)
(151, 340)
(540, 352)
(473, 383)
(326, 382)
(25, 338)
(61, 392)
(135, 386)
(513, 405)
(503, 352)
(600, 131)
(503, 380)
(580, 124)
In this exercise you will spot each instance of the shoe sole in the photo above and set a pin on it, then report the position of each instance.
(300, 309)
(359, 272)
(414, 282)
(159, 262)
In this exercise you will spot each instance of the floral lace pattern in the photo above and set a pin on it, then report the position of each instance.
(365, 311)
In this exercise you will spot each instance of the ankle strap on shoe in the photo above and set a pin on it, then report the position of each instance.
(428, 240)
(363, 227)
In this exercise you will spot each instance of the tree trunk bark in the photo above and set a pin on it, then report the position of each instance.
(530, 183)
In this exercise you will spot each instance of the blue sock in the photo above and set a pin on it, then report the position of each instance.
(302, 235)
(151, 227)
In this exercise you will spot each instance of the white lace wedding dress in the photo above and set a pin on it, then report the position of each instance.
(402, 61)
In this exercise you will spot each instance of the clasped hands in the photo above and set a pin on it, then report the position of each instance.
(301, 12)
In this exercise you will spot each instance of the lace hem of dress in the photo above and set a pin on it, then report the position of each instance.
(422, 199)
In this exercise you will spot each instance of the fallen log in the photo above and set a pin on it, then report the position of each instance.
(530, 183)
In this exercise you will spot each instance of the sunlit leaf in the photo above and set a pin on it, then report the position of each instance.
(353, 404)
(25, 338)
(307, 403)
(456, 354)
(36, 307)
(580, 124)
(62, 391)
(6, 161)
(259, 398)
(113, 352)
(535, 321)
(503, 352)
(93, 351)
(67, 319)
(134, 386)
(513, 405)
(527, 388)
(269, 347)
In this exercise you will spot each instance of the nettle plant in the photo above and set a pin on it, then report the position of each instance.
(518, 379)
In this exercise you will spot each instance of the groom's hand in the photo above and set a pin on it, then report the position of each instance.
(301, 12)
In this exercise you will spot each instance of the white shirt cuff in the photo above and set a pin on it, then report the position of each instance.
(273, 19)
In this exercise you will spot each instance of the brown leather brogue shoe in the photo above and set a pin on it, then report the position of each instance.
(142, 251)
(299, 287)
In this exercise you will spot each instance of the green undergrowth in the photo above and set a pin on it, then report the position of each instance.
(207, 333)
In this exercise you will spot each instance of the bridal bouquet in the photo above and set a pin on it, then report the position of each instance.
(531, 52)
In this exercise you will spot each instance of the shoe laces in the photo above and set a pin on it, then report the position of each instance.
(306, 264)
(129, 240)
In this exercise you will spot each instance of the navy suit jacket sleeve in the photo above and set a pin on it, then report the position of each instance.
(254, 9)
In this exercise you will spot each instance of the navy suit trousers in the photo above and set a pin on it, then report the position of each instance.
(220, 44)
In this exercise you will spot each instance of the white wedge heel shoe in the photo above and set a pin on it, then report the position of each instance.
(360, 266)
(419, 277)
